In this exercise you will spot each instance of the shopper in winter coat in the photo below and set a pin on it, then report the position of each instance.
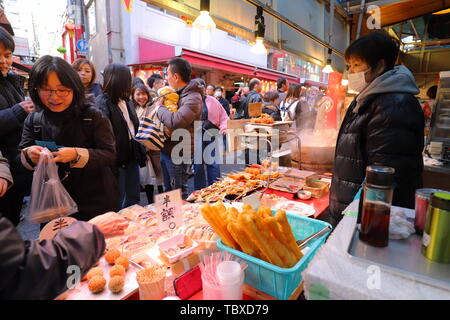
(383, 125)
(151, 174)
(253, 96)
(13, 111)
(214, 125)
(218, 93)
(87, 156)
(115, 105)
(87, 73)
(42, 270)
(271, 105)
(175, 164)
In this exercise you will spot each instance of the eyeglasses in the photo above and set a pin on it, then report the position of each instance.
(59, 93)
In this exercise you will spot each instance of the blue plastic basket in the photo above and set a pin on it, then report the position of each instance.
(280, 282)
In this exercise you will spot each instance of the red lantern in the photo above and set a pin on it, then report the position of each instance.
(70, 28)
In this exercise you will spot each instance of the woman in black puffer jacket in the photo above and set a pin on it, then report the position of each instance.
(383, 125)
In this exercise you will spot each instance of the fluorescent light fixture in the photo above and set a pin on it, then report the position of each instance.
(258, 47)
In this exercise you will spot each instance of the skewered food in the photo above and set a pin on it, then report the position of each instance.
(116, 284)
(117, 270)
(97, 284)
(112, 255)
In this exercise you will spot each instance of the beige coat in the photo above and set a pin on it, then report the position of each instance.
(4, 170)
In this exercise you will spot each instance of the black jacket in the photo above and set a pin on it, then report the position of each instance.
(96, 89)
(127, 150)
(39, 269)
(387, 129)
(272, 110)
(94, 188)
(225, 104)
(252, 97)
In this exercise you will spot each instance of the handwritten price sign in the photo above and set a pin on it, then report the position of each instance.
(169, 210)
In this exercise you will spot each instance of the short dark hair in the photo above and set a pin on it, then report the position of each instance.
(218, 88)
(253, 83)
(117, 82)
(7, 40)
(374, 47)
(281, 82)
(271, 96)
(152, 79)
(211, 85)
(66, 74)
(432, 91)
(181, 67)
(142, 87)
(77, 64)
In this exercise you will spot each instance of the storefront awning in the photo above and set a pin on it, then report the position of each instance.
(156, 52)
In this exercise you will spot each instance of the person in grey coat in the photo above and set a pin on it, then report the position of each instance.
(175, 164)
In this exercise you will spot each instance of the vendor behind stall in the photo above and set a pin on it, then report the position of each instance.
(384, 124)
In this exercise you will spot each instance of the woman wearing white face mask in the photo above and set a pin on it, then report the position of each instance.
(383, 125)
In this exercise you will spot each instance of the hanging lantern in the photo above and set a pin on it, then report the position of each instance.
(62, 50)
(70, 28)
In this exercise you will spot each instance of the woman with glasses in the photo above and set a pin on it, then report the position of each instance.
(14, 108)
(87, 154)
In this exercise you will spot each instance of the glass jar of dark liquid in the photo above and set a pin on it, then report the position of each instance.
(376, 206)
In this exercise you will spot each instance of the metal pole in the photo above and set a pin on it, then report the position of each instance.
(361, 14)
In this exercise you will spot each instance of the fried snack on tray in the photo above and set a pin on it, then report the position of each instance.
(281, 218)
(122, 261)
(97, 284)
(117, 270)
(112, 255)
(215, 219)
(116, 284)
(256, 233)
(94, 272)
(264, 118)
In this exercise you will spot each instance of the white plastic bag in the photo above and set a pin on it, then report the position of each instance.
(49, 198)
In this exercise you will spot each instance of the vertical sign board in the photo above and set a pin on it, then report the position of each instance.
(169, 207)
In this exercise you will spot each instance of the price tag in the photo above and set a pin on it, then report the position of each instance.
(169, 210)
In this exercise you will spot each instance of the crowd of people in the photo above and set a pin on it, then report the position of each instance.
(104, 168)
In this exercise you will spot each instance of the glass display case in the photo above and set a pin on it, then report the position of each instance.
(440, 131)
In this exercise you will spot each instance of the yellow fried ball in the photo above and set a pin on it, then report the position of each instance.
(116, 284)
(97, 284)
(112, 255)
(123, 262)
(117, 270)
(94, 272)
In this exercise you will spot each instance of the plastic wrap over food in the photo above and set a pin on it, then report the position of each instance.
(334, 274)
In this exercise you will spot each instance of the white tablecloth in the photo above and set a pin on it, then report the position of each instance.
(334, 274)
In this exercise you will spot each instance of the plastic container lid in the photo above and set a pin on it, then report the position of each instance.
(380, 176)
(426, 193)
(229, 272)
(441, 200)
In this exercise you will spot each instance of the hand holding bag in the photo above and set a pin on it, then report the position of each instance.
(49, 198)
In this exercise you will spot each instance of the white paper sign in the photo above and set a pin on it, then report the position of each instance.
(169, 210)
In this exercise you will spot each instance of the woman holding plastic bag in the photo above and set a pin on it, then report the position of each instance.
(80, 136)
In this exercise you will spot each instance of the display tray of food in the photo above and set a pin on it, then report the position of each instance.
(266, 241)
(113, 280)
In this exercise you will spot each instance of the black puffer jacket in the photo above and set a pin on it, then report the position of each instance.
(383, 126)
(40, 269)
(94, 187)
(272, 110)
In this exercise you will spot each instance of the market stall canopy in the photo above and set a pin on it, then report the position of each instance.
(159, 53)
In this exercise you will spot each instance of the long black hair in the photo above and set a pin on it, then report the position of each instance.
(66, 74)
(117, 82)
